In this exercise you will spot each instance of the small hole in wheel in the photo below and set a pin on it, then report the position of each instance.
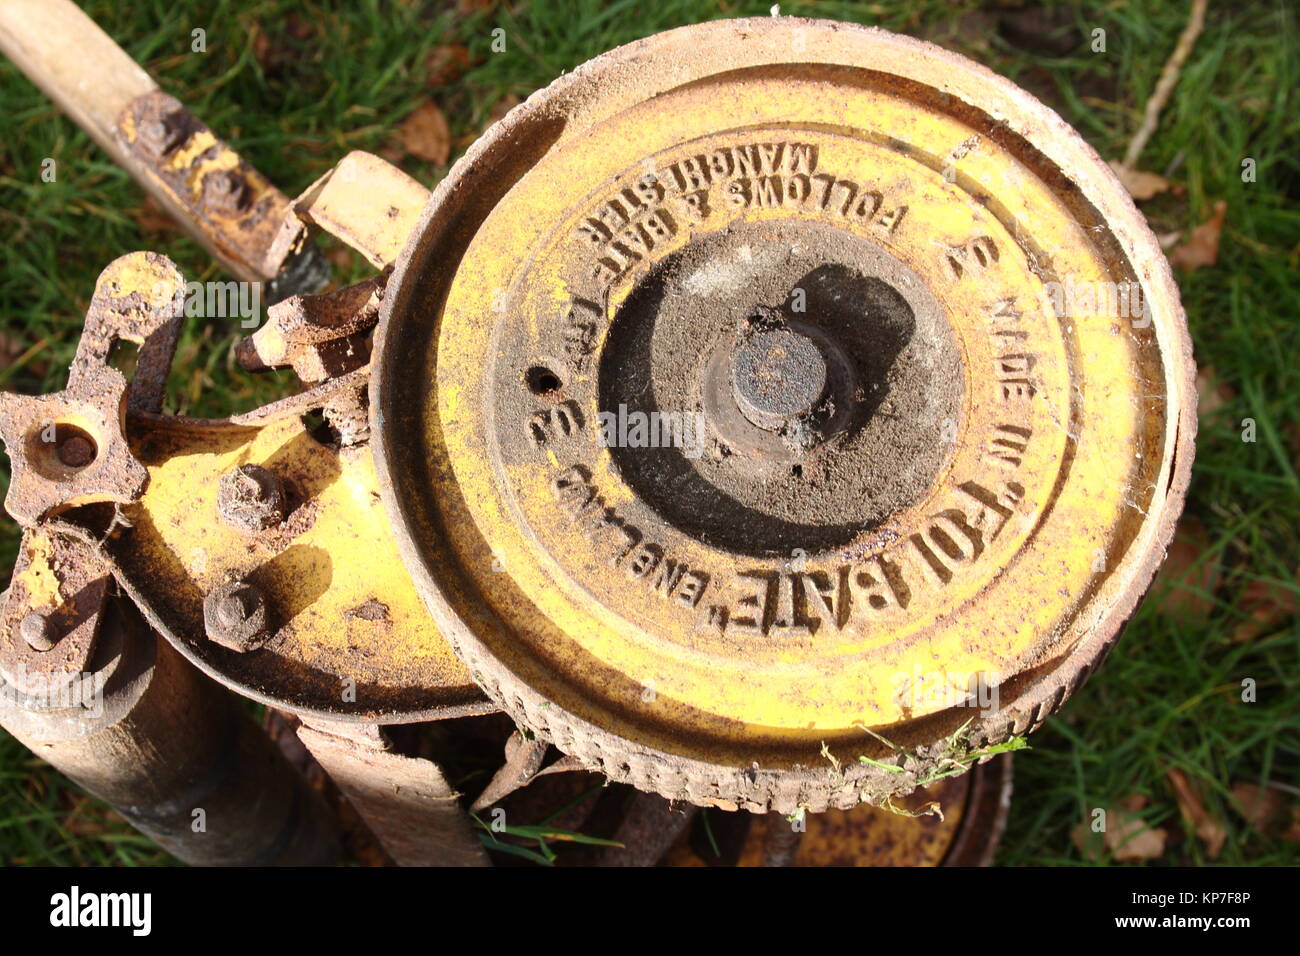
(542, 381)
(797, 471)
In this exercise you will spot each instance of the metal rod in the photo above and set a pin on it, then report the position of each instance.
(176, 756)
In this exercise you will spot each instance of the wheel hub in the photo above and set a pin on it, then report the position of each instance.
(746, 418)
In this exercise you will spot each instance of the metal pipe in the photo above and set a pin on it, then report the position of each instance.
(175, 755)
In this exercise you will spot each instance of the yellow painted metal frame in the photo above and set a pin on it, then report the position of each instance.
(352, 634)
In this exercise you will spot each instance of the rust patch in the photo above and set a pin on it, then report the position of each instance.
(63, 585)
(372, 610)
(237, 211)
(69, 448)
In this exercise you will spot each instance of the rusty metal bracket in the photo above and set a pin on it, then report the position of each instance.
(213, 193)
(214, 189)
(364, 201)
(334, 625)
(319, 336)
(69, 448)
(524, 756)
(323, 338)
(346, 635)
(50, 616)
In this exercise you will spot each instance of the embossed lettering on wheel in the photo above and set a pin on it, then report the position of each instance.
(752, 406)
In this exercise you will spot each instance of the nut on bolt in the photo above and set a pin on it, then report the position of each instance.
(235, 616)
(226, 190)
(162, 134)
(76, 451)
(251, 498)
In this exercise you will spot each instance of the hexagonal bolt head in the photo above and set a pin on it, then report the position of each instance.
(251, 498)
(235, 616)
(38, 631)
(160, 135)
(226, 191)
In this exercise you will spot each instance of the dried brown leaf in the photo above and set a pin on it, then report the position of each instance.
(1127, 836)
(1266, 606)
(298, 27)
(1184, 588)
(425, 134)
(10, 348)
(260, 44)
(1082, 838)
(1133, 802)
(1258, 806)
(1140, 185)
(1292, 833)
(445, 64)
(1208, 830)
(280, 43)
(1202, 246)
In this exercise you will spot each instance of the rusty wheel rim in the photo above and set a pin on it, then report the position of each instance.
(984, 197)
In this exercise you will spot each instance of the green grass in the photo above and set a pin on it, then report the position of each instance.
(1169, 695)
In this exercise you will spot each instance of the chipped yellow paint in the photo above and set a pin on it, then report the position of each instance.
(223, 159)
(367, 203)
(38, 580)
(198, 144)
(140, 274)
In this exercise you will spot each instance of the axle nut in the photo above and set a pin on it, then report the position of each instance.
(235, 616)
(779, 376)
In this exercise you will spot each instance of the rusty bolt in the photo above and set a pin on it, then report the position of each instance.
(160, 135)
(38, 631)
(251, 498)
(76, 451)
(236, 617)
(226, 191)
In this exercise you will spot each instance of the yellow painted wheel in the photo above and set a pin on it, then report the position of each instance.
(768, 380)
